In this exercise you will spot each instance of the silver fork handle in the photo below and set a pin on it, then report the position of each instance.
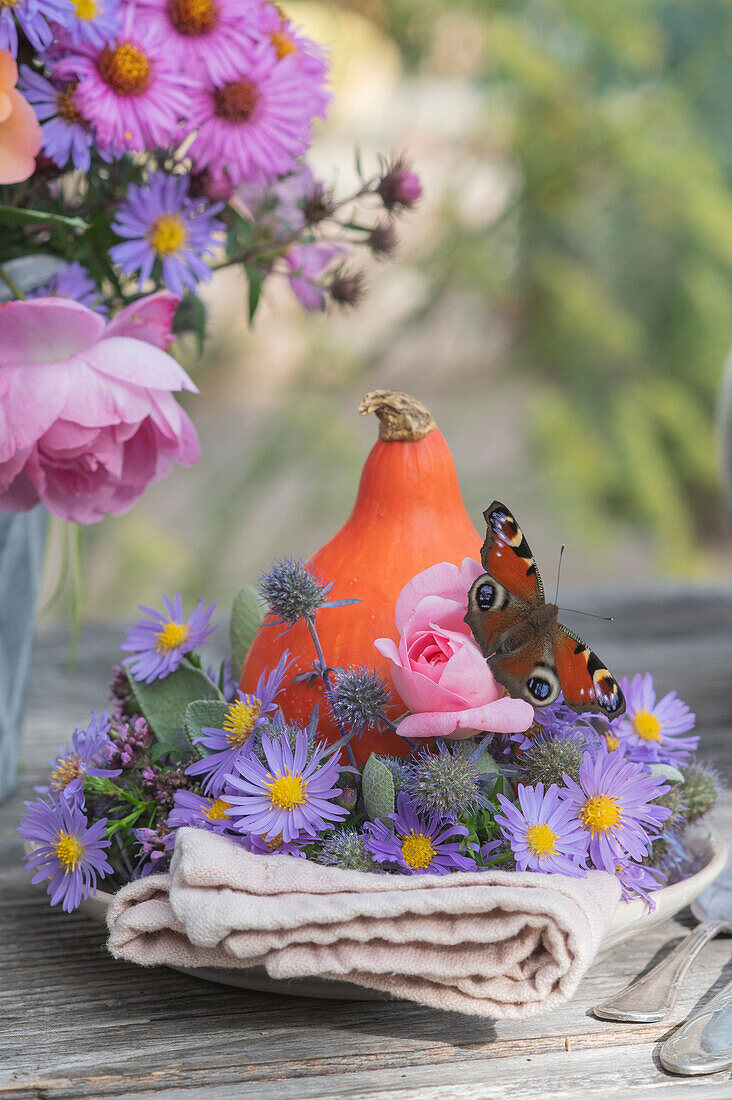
(653, 996)
(704, 1043)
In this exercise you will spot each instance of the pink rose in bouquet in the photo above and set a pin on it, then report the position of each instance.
(87, 413)
(438, 669)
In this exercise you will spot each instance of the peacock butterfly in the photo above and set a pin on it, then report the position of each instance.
(529, 651)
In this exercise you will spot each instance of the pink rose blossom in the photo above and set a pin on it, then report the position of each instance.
(438, 669)
(87, 413)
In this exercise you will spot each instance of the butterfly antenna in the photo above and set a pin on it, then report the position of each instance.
(559, 570)
(590, 614)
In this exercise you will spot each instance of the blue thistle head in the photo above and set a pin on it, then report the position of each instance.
(549, 757)
(443, 782)
(702, 786)
(360, 699)
(292, 591)
(346, 848)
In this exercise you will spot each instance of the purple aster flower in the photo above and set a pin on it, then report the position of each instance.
(279, 207)
(198, 811)
(86, 755)
(34, 17)
(418, 844)
(163, 225)
(637, 880)
(232, 743)
(543, 832)
(252, 123)
(556, 720)
(158, 644)
(307, 264)
(131, 91)
(276, 847)
(613, 802)
(94, 21)
(651, 731)
(66, 134)
(308, 57)
(156, 847)
(72, 281)
(67, 850)
(290, 795)
(207, 37)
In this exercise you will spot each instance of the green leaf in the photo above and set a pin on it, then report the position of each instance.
(190, 316)
(164, 702)
(246, 618)
(200, 714)
(668, 771)
(256, 282)
(377, 786)
(11, 215)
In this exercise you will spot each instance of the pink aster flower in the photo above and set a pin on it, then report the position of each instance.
(88, 416)
(252, 122)
(207, 37)
(308, 56)
(438, 669)
(131, 90)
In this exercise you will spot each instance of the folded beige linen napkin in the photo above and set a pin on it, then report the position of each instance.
(501, 944)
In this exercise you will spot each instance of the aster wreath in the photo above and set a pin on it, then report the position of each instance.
(548, 791)
(148, 144)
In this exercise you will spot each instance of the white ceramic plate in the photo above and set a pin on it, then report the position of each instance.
(631, 919)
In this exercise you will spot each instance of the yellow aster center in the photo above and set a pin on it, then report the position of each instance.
(86, 9)
(125, 68)
(600, 813)
(217, 810)
(275, 843)
(418, 851)
(8, 3)
(167, 235)
(192, 17)
(612, 741)
(541, 840)
(283, 44)
(69, 850)
(66, 770)
(240, 719)
(287, 791)
(171, 637)
(647, 726)
(65, 105)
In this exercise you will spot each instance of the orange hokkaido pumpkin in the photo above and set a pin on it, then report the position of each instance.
(409, 514)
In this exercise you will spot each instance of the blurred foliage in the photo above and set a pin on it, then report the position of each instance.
(610, 262)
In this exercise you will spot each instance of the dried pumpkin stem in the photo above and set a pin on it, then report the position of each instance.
(402, 418)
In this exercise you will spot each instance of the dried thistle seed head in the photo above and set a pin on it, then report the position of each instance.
(549, 758)
(292, 590)
(383, 240)
(398, 187)
(348, 288)
(360, 699)
(442, 782)
(318, 204)
(345, 848)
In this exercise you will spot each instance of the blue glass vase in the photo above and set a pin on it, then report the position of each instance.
(22, 543)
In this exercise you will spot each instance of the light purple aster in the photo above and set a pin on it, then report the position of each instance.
(158, 644)
(418, 844)
(651, 731)
(233, 743)
(156, 847)
(163, 225)
(72, 281)
(86, 755)
(291, 795)
(34, 17)
(66, 135)
(637, 880)
(613, 802)
(543, 832)
(196, 810)
(279, 206)
(307, 264)
(67, 850)
(556, 720)
(94, 21)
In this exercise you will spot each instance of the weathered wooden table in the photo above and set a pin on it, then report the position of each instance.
(76, 1023)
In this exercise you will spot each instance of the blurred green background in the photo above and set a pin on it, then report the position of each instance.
(561, 301)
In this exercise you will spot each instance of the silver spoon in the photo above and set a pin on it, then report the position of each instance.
(653, 996)
(704, 1043)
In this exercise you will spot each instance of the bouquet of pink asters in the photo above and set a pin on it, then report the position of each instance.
(144, 145)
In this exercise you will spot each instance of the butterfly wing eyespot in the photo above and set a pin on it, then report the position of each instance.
(587, 684)
(506, 555)
(542, 686)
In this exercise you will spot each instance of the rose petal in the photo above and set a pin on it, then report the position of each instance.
(446, 580)
(505, 715)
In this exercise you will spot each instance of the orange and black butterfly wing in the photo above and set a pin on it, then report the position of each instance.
(507, 558)
(587, 685)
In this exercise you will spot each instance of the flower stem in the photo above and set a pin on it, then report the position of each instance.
(11, 284)
(325, 675)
